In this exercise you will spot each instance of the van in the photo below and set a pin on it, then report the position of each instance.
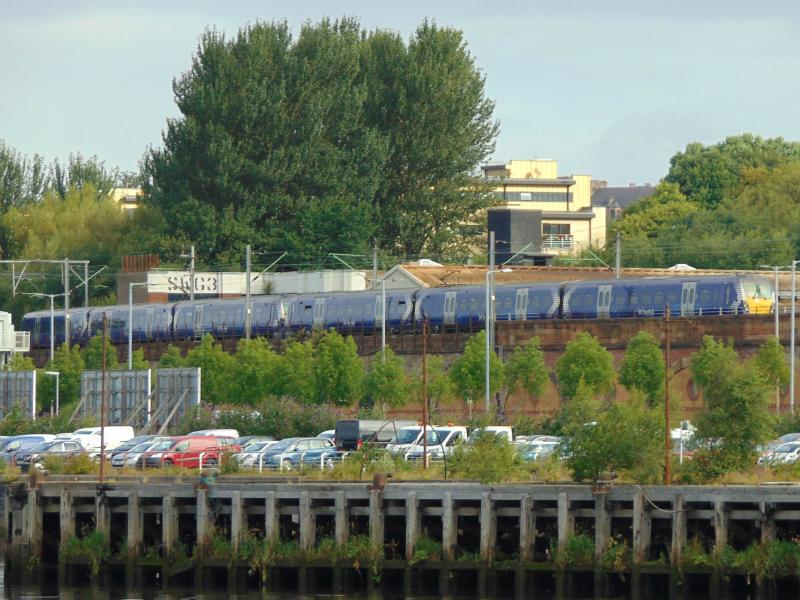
(351, 434)
(231, 433)
(113, 436)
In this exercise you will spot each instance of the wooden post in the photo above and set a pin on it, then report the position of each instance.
(720, 525)
(767, 522)
(169, 524)
(527, 530)
(135, 531)
(102, 514)
(376, 518)
(341, 529)
(566, 521)
(678, 528)
(488, 529)
(307, 525)
(238, 523)
(641, 528)
(34, 523)
(203, 518)
(66, 516)
(412, 524)
(271, 529)
(602, 525)
(449, 530)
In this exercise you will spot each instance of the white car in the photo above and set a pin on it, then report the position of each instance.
(249, 457)
(784, 454)
(441, 442)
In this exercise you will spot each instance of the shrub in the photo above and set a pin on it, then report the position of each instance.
(578, 551)
(490, 458)
(76, 464)
(426, 549)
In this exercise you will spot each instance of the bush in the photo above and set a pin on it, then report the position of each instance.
(76, 464)
(490, 458)
(578, 552)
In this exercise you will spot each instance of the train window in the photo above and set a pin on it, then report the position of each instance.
(672, 297)
(727, 294)
(647, 298)
(534, 303)
(462, 306)
(684, 296)
(704, 296)
(691, 296)
(717, 295)
(634, 299)
(508, 304)
(658, 298)
(473, 306)
(588, 299)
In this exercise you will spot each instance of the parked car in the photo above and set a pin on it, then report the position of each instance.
(503, 431)
(441, 442)
(406, 439)
(538, 447)
(351, 434)
(112, 436)
(15, 444)
(328, 434)
(783, 454)
(139, 439)
(133, 456)
(25, 459)
(185, 451)
(247, 440)
(231, 433)
(295, 452)
(248, 458)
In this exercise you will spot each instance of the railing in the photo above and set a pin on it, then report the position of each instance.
(558, 241)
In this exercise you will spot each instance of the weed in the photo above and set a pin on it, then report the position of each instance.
(93, 546)
(617, 556)
(578, 551)
(426, 549)
(75, 464)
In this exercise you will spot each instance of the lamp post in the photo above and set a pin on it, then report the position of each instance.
(132, 285)
(52, 318)
(383, 319)
(488, 320)
(56, 375)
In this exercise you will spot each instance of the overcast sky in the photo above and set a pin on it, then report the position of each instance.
(611, 89)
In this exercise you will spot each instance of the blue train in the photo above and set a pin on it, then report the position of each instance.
(445, 309)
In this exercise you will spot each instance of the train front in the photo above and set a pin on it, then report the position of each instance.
(759, 295)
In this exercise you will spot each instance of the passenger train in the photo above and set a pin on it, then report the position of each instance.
(447, 308)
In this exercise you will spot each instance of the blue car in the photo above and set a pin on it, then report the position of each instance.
(295, 452)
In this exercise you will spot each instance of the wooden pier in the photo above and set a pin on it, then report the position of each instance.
(522, 532)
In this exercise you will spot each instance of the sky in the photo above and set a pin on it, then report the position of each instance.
(611, 89)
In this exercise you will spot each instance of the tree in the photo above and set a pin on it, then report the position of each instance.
(171, 358)
(386, 382)
(323, 143)
(770, 361)
(20, 362)
(22, 181)
(138, 361)
(643, 367)
(709, 174)
(257, 368)
(427, 99)
(216, 369)
(297, 372)
(468, 372)
(713, 359)
(83, 173)
(69, 363)
(526, 369)
(338, 371)
(93, 354)
(585, 359)
(649, 217)
(440, 386)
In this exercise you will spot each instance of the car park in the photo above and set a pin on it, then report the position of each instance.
(294, 452)
(230, 433)
(352, 434)
(132, 457)
(190, 451)
(252, 456)
(538, 447)
(406, 439)
(111, 436)
(247, 440)
(17, 443)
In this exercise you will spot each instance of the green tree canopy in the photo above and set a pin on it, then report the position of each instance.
(710, 360)
(770, 360)
(93, 354)
(217, 368)
(323, 142)
(643, 367)
(468, 372)
(297, 379)
(69, 363)
(386, 383)
(526, 370)
(338, 371)
(256, 371)
(171, 358)
(584, 359)
(81, 172)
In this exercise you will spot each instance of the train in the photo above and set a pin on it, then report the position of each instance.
(446, 308)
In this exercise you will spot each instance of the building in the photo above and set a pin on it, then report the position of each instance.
(616, 199)
(127, 198)
(541, 214)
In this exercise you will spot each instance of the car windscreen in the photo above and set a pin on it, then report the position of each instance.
(258, 447)
(141, 447)
(41, 446)
(283, 444)
(407, 436)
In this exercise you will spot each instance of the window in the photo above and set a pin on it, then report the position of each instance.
(555, 228)
(182, 447)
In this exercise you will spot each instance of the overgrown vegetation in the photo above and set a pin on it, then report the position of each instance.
(93, 546)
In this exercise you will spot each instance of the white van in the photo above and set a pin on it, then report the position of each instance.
(406, 439)
(231, 433)
(114, 435)
(441, 442)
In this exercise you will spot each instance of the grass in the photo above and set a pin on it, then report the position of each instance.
(92, 546)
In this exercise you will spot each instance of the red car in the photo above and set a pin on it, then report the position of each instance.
(186, 451)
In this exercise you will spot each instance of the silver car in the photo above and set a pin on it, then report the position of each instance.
(132, 456)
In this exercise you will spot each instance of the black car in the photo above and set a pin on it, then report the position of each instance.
(351, 434)
(27, 458)
(127, 446)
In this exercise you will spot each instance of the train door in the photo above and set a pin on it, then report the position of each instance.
(319, 312)
(378, 310)
(450, 308)
(603, 301)
(521, 308)
(148, 326)
(688, 294)
(198, 322)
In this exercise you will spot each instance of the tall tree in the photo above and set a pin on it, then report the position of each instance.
(80, 172)
(93, 353)
(256, 370)
(526, 369)
(297, 378)
(584, 359)
(22, 180)
(468, 372)
(386, 383)
(643, 367)
(216, 369)
(338, 371)
(69, 363)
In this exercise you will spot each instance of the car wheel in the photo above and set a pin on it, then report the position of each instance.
(286, 465)
(211, 463)
(168, 463)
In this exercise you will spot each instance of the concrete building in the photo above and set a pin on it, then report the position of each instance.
(126, 198)
(542, 214)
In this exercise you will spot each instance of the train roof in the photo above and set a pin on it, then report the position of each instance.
(666, 279)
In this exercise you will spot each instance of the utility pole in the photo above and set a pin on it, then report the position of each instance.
(191, 273)
(66, 303)
(86, 284)
(668, 433)
(248, 307)
(491, 309)
(374, 265)
(425, 394)
(103, 403)
(618, 265)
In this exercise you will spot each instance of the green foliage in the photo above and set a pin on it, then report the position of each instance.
(216, 367)
(256, 370)
(92, 546)
(468, 372)
(489, 459)
(22, 181)
(139, 362)
(20, 362)
(736, 416)
(770, 360)
(625, 437)
(338, 371)
(69, 363)
(578, 551)
(617, 556)
(78, 464)
(82, 173)
(584, 359)
(526, 369)
(93, 354)
(386, 383)
(425, 549)
(297, 372)
(171, 358)
(327, 140)
(643, 367)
